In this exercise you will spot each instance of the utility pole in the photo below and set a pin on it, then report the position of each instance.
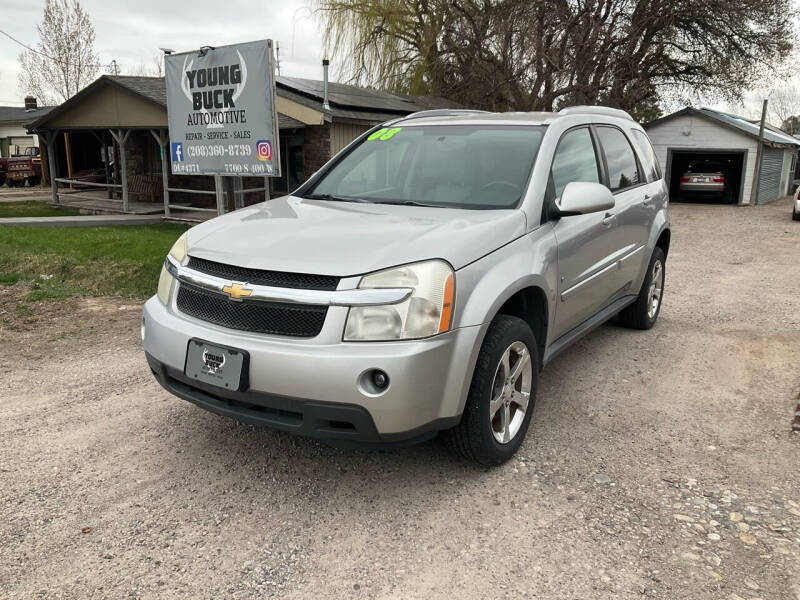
(757, 170)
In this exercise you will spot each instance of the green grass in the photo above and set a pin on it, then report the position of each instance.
(58, 262)
(32, 208)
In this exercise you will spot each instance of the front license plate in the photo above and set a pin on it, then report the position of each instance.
(217, 365)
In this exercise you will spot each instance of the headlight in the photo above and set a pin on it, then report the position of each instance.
(178, 252)
(428, 311)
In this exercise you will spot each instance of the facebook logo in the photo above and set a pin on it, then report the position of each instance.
(177, 152)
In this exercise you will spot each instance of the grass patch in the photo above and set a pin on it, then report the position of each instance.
(71, 261)
(33, 208)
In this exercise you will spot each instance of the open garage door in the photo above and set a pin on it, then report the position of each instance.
(713, 176)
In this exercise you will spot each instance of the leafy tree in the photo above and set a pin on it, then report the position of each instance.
(63, 61)
(792, 124)
(544, 54)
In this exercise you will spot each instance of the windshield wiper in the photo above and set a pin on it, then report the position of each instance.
(335, 198)
(405, 203)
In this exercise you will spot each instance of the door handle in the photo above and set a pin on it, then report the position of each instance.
(609, 219)
(647, 199)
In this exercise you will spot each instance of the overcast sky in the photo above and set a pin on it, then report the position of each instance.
(131, 32)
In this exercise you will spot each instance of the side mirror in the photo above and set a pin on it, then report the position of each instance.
(584, 197)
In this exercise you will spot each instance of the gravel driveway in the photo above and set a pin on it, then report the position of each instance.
(659, 464)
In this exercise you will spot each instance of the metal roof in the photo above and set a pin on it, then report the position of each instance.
(19, 114)
(346, 101)
(772, 135)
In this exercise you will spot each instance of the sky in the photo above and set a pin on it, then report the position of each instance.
(132, 32)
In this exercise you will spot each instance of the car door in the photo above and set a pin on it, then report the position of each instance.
(588, 245)
(628, 183)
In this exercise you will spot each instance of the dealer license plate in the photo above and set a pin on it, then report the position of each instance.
(217, 365)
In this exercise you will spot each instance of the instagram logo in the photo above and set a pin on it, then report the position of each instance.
(264, 150)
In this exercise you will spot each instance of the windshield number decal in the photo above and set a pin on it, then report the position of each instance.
(384, 134)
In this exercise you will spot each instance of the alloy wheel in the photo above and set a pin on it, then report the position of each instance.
(511, 392)
(656, 289)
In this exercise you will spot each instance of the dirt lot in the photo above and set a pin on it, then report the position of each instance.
(659, 464)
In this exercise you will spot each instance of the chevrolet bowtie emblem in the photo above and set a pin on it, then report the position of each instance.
(237, 291)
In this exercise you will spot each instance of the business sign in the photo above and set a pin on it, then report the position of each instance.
(221, 111)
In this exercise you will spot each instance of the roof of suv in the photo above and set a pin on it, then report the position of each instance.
(464, 116)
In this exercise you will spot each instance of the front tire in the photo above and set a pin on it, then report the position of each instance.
(643, 313)
(795, 215)
(501, 396)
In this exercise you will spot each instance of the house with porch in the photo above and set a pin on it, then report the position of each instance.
(107, 145)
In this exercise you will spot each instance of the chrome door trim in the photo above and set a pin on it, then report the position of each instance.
(265, 293)
(604, 271)
(617, 264)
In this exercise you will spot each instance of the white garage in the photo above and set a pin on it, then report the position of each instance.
(697, 139)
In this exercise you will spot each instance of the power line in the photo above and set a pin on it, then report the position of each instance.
(58, 60)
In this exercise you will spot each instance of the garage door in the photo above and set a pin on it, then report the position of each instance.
(769, 181)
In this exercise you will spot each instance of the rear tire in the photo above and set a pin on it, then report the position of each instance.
(501, 396)
(643, 313)
(795, 215)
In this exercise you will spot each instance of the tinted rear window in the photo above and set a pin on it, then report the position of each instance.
(621, 162)
(647, 155)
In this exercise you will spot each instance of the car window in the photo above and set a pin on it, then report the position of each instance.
(459, 166)
(575, 160)
(647, 155)
(620, 160)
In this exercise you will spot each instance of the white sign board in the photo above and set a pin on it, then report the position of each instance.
(221, 111)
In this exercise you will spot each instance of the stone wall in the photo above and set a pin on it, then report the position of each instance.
(316, 148)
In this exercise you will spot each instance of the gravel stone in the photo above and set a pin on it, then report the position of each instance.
(182, 504)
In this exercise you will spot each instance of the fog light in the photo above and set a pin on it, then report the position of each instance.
(142, 330)
(373, 382)
(380, 379)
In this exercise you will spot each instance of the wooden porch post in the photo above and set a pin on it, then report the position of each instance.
(50, 140)
(122, 136)
(68, 152)
(220, 194)
(101, 137)
(162, 139)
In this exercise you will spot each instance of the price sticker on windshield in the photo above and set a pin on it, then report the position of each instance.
(384, 133)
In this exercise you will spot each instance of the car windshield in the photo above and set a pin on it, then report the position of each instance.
(458, 166)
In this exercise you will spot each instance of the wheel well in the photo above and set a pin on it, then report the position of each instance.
(530, 305)
(663, 241)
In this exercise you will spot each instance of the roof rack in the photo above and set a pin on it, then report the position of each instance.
(442, 112)
(595, 110)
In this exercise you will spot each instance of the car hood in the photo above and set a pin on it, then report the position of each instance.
(344, 238)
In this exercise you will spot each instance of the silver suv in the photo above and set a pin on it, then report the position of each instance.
(419, 281)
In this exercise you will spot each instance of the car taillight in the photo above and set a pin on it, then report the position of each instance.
(685, 179)
(719, 179)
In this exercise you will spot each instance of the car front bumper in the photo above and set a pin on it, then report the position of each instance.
(310, 386)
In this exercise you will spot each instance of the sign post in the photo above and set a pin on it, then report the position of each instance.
(221, 111)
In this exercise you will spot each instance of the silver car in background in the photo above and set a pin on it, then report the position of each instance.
(419, 281)
(703, 180)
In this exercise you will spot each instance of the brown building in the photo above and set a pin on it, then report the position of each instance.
(105, 144)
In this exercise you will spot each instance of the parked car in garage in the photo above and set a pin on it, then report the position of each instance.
(704, 180)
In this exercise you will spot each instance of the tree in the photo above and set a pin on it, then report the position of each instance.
(791, 124)
(63, 61)
(544, 54)
(784, 103)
